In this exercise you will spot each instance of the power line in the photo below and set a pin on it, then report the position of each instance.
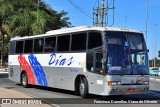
(80, 9)
(110, 2)
(95, 3)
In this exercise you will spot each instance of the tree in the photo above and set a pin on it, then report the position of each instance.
(25, 18)
(31, 20)
(6, 11)
(152, 61)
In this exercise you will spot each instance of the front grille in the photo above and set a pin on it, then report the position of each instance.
(133, 84)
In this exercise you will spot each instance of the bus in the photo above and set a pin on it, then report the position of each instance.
(85, 59)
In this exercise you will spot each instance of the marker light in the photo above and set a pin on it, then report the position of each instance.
(111, 83)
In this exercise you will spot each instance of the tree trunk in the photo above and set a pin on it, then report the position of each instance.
(2, 47)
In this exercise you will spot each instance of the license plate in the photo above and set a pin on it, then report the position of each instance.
(131, 89)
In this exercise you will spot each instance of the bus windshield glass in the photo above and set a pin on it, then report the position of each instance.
(127, 54)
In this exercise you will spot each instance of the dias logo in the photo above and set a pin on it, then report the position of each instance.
(139, 80)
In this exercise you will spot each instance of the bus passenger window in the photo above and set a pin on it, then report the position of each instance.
(19, 47)
(94, 40)
(12, 47)
(38, 45)
(79, 42)
(63, 43)
(28, 46)
(50, 44)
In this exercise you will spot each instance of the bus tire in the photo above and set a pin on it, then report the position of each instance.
(24, 80)
(83, 87)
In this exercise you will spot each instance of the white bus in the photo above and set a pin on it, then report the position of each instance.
(87, 60)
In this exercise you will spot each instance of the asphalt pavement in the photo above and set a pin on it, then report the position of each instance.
(63, 98)
(10, 97)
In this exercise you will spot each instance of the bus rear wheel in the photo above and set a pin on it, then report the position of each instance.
(24, 80)
(83, 87)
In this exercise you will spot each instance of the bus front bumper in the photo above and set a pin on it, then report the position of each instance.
(126, 89)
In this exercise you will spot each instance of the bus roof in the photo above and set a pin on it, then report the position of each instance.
(77, 29)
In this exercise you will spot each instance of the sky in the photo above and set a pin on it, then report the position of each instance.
(131, 12)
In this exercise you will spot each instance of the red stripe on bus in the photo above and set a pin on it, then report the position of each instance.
(25, 66)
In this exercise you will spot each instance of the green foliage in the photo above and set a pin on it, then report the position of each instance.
(25, 18)
(151, 62)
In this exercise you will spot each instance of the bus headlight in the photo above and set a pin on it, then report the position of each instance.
(113, 83)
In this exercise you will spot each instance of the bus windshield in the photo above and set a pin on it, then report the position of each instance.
(127, 54)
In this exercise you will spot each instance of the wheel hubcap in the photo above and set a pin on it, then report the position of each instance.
(81, 87)
(24, 79)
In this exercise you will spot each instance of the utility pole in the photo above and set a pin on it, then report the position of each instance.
(153, 56)
(155, 47)
(146, 19)
(97, 16)
(125, 21)
(100, 13)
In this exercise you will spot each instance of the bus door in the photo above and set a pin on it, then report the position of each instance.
(95, 66)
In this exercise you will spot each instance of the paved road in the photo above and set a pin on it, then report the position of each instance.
(68, 96)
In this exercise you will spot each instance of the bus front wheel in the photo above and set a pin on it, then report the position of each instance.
(83, 87)
(24, 80)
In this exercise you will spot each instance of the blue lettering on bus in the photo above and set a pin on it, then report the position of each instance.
(60, 60)
(70, 61)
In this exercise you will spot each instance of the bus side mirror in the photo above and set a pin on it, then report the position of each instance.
(148, 50)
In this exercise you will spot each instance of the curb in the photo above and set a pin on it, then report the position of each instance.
(4, 72)
(3, 69)
(8, 94)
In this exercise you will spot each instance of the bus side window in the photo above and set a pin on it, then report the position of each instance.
(38, 45)
(90, 61)
(79, 42)
(50, 44)
(28, 46)
(94, 40)
(63, 43)
(12, 47)
(19, 47)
